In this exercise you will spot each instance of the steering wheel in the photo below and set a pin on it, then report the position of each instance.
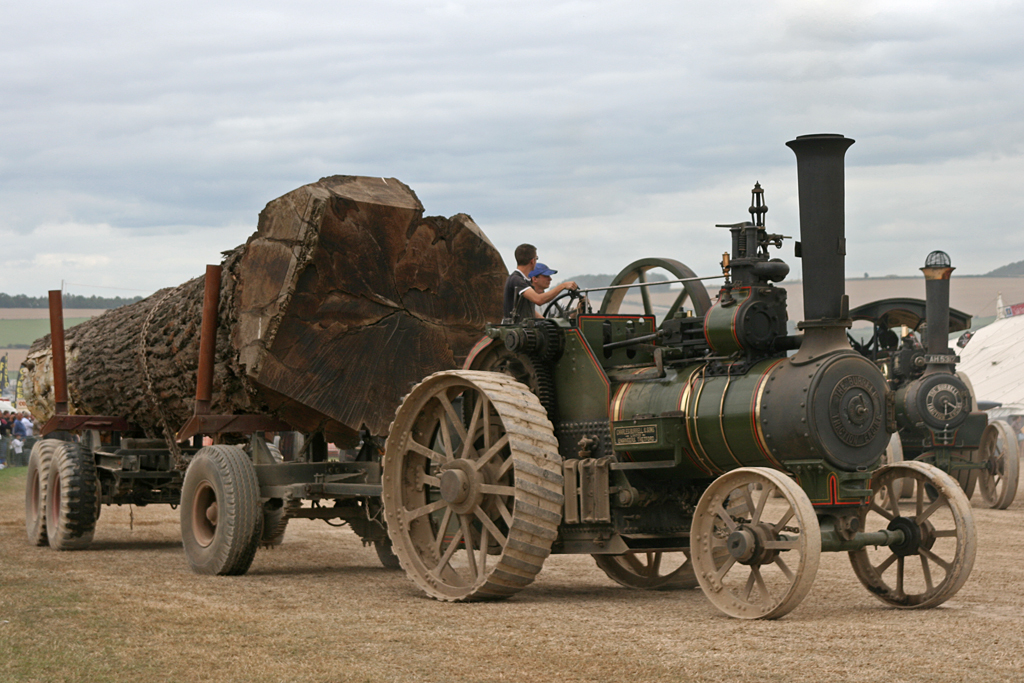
(557, 310)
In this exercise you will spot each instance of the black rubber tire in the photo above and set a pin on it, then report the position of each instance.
(275, 523)
(386, 554)
(221, 515)
(70, 498)
(35, 491)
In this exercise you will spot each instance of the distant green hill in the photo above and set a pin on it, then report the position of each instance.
(1015, 269)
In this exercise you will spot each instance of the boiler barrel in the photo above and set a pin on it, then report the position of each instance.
(832, 410)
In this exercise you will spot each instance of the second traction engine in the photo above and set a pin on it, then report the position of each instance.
(713, 449)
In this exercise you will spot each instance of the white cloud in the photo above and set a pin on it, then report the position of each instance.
(99, 259)
(604, 129)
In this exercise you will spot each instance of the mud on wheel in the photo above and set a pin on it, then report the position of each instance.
(937, 554)
(755, 543)
(35, 490)
(472, 496)
(70, 497)
(221, 515)
(1001, 456)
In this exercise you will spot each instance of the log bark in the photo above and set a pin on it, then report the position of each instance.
(342, 299)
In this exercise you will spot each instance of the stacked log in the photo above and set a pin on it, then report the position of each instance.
(343, 298)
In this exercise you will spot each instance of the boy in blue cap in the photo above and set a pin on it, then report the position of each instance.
(536, 293)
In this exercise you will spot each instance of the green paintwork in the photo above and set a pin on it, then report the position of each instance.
(851, 488)
(705, 436)
(581, 386)
(620, 328)
(720, 323)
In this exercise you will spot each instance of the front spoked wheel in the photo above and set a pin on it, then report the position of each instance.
(472, 492)
(755, 543)
(937, 553)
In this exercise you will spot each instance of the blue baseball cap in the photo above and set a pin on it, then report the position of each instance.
(541, 269)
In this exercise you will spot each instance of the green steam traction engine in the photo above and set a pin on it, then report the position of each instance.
(692, 452)
(936, 410)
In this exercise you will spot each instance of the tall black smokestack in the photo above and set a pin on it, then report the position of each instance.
(819, 165)
(937, 269)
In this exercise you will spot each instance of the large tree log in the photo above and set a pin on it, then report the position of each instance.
(342, 299)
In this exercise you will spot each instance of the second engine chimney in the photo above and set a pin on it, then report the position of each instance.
(937, 270)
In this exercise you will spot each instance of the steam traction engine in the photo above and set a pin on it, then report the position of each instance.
(936, 411)
(691, 452)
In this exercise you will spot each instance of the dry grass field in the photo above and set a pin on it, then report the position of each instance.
(321, 608)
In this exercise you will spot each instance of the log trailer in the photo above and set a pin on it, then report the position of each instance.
(698, 451)
(234, 495)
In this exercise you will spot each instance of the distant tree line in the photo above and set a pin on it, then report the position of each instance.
(70, 301)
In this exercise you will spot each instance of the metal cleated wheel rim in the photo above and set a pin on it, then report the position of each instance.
(654, 570)
(937, 559)
(999, 451)
(755, 543)
(472, 496)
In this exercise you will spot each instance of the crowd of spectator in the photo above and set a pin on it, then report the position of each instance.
(17, 429)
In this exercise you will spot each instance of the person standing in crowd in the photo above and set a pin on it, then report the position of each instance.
(18, 436)
(30, 425)
(5, 436)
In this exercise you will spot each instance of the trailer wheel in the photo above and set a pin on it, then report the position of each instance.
(472, 505)
(650, 570)
(35, 490)
(70, 497)
(221, 515)
(275, 523)
(999, 452)
(755, 543)
(936, 558)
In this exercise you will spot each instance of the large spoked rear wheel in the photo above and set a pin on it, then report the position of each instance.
(656, 570)
(221, 515)
(472, 493)
(937, 554)
(35, 490)
(755, 543)
(70, 498)
(999, 451)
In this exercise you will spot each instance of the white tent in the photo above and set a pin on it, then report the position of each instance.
(994, 361)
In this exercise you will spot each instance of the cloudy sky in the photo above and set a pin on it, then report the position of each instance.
(141, 139)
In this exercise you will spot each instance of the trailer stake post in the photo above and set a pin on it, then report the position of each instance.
(60, 368)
